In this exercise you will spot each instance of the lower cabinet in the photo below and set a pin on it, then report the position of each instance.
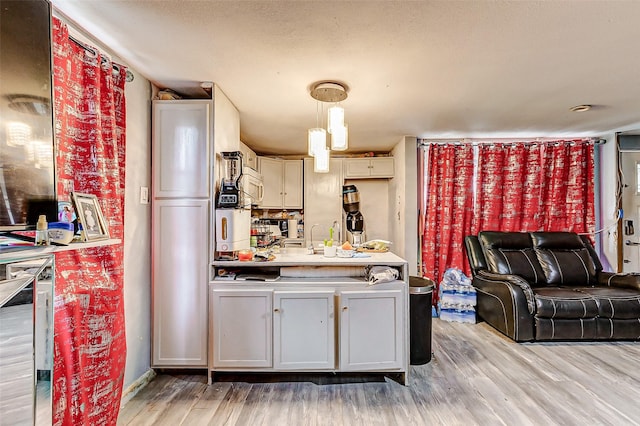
(242, 327)
(371, 330)
(278, 329)
(303, 330)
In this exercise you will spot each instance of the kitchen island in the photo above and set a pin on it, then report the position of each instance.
(309, 313)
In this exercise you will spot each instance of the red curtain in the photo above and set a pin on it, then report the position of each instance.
(535, 187)
(448, 208)
(545, 186)
(89, 339)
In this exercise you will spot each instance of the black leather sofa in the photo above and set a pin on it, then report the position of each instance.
(550, 286)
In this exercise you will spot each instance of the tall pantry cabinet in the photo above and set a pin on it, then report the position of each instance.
(182, 160)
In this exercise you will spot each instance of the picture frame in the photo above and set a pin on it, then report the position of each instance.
(89, 213)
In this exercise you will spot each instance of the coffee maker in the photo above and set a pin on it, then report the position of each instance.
(354, 220)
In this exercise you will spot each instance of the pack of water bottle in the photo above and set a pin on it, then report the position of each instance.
(457, 297)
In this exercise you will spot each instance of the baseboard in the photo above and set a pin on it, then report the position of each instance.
(137, 386)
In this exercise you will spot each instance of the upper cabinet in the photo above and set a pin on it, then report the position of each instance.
(374, 167)
(282, 180)
(249, 157)
(181, 140)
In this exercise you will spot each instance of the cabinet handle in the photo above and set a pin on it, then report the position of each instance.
(344, 308)
(276, 310)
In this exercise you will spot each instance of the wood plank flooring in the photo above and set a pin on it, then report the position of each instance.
(476, 377)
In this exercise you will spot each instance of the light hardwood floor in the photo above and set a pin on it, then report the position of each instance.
(476, 377)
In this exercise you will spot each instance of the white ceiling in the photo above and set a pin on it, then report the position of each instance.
(432, 69)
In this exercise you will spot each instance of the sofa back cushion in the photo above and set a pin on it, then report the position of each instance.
(511, 253)
(564, 258)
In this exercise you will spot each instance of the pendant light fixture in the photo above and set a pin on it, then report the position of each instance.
(328, 92)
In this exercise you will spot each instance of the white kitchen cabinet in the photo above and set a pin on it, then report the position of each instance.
(322, 200)
(241, 327)
(249, 157)
(282, 180)
(181, 142)
(298, 324)
(303, 330)
(374, 167)
(179, 275)
(182, 150)
(371, 330)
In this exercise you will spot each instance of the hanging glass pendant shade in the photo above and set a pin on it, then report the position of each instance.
(335, 119)
(321, 161)
(340, 138)
(317, 140)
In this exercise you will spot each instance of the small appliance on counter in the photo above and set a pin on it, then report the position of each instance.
(233, 229)
(230, 195)
(354, 220)
(233, 220)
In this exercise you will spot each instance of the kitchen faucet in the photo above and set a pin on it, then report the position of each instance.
(336, 228)
(311, 242)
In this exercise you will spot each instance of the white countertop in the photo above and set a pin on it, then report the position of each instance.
(299, 257)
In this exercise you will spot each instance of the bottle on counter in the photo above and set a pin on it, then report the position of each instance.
(42, 233)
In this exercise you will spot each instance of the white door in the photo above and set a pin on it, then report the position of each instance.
(242, 328)
(371, 330)
(181, 140)
(271, 171)
(631, 209)
(303, 330)
(180, 277)
(292, 184)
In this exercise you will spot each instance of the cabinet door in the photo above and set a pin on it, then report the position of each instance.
(292, 184)
(180, 277)
(382, 167)
(322, 200)
(181, 140)
(357, 168)
(371, 330)
(303, 330)
(249, 157)
(242, 328)
(271, 171)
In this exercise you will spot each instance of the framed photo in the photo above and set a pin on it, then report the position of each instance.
(86, 207)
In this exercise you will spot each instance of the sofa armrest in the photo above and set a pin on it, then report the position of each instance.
(513, 280)
(506, 302)
(611, 279)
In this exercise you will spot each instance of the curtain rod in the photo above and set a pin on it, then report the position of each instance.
(480, 141)
(129, 75)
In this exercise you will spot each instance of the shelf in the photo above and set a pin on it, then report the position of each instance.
(25, 252)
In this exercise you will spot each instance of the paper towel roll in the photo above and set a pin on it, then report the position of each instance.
(292, 228)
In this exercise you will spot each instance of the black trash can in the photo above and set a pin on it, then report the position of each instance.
(420, 299)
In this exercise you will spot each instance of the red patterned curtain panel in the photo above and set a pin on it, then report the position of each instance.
(89, 338)
(447, 183)
(535, 187)
(467, 188)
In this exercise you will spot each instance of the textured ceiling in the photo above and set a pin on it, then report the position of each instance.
(433, 69)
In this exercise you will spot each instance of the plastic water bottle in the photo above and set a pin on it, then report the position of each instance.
(42, 233)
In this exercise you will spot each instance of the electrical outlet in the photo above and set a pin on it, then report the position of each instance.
(144, 195)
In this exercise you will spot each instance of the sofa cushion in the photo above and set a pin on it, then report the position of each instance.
(614, 302)
(564, 302)
(511, 253)
(566, 329)
(564, 259)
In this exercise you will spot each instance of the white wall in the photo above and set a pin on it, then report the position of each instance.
(607, 203)
(403, 198)
(137, 230)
